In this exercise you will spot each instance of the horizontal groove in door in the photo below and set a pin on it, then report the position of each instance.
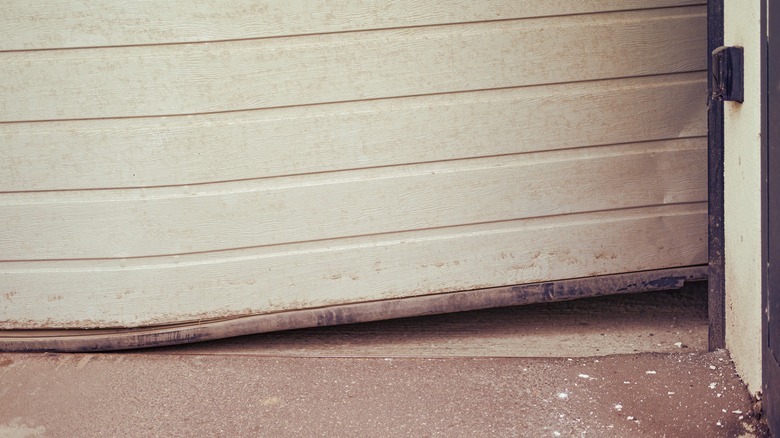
(240, 75)
(170, 151)
(149, 222)
(55, 24)
(141, 292)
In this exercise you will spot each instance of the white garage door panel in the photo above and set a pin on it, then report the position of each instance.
(288, 141)
(140, 292)
(135, 223)
(238, 75)
(67, 23)
(360, 151)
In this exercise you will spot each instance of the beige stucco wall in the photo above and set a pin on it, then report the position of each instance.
(742, 222)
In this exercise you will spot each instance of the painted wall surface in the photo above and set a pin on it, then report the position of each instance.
(742, 221)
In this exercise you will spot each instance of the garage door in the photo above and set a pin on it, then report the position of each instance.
(166, 162)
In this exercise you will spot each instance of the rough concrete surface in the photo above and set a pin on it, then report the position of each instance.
(405, 378)
(674, 395)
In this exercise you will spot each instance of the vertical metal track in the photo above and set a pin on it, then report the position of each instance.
(716, 275)
(770, 215)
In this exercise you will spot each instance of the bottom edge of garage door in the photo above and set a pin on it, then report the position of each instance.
(86, 340)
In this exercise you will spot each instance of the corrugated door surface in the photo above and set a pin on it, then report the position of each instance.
(186, 160)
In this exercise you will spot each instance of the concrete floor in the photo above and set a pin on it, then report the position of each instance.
(622, 366)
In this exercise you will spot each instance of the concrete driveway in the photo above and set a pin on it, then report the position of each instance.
(622, 366)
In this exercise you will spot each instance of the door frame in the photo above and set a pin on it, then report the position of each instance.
(716, 271)
(770, 365)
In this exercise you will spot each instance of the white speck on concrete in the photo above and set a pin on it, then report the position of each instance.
(584, 376)
(563, 395)
(650, 372)
(618, 407)
(713, 385)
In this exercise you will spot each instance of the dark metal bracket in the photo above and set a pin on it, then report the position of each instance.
(728, 74)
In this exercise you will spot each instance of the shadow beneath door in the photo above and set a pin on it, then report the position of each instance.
(666, 321)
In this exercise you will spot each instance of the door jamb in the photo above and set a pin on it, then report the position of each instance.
(769, 366)
(716, 238)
